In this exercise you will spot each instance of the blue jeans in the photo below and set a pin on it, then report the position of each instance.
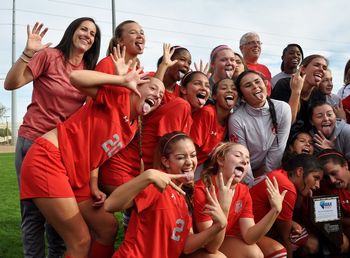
(33, 222)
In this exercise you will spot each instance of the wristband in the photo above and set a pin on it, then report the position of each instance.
(26, 55)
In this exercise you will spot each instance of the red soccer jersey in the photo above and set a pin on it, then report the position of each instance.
(168, 96)
(261, 202)
(95, 133)
(241, 206)
(346, 106)
(173, 116)
(106, 128)
(206, 132)
(158, 227)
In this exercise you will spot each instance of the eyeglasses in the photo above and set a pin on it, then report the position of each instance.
(253, 42)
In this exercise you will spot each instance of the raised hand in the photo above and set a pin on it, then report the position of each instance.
(118, 58)
(203, 69)
(213, 208)
(161, 180)
(34, 40)
(167, 54)
(339, 111)
(225, 192)
(274, 195)
(297, 81)
(322, 142)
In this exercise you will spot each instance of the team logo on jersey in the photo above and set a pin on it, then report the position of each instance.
(238, 206)
(126, 119)
(213, 133)
(233, 138)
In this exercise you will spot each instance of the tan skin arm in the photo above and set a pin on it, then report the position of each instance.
(19, 74)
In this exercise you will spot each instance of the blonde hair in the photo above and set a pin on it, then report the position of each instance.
(212, 165)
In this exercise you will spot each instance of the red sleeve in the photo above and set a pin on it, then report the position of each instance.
(38, 64)
(146, 198)
(202, 118)
(177, 116)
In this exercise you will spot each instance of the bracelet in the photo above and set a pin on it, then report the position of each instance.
(26, 55)
(23, 59)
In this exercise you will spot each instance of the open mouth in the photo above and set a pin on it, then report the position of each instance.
(230, 100)
(139, 45)
(149, 103)
(306, 150)
(239, 170)
(189, 176)
(201, 96)
(259, 95)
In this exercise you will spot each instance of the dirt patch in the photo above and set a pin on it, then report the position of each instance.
(7, 148)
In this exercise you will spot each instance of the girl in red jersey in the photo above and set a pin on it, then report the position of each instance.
(172, 66)
(56, 170)
(228, 165)
(337, 174)
(160, 225)
(172, 116)
(300, 176)
(210, 122)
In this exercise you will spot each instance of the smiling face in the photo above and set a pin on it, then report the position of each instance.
(239, 66)
(84, 36)
(326, 85)
(236, 161)
(226, 94)
(314, 71)
(196, 91)
(303, 143)
(251, 50)
(178, 70)
(224, 64)
(151, 96)
(133, 38)
(337, 174)
(291, 58)
(253, 90)
(182, 159)
(324, 119)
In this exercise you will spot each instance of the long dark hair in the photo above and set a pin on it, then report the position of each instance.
(272, 109)
(308, 162)
(165, 147)
(66, 44)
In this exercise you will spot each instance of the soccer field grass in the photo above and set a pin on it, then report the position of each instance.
(10, 240)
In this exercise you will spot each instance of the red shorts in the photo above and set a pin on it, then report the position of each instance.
(43, 174)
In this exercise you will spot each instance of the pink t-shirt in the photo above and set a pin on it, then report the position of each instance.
(54, 98)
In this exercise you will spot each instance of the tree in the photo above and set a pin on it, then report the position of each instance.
(3, 110)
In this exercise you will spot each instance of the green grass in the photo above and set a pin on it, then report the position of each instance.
(10, 240)
(10, 235)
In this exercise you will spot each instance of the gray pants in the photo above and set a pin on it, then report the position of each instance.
(33, 222)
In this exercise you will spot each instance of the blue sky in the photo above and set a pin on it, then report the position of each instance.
(318, 26)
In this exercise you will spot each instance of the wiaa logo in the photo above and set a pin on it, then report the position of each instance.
(325, 204)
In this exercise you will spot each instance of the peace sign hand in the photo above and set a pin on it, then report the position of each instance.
(213, 208)
(225, 192)
(297, 81)
(274, 195)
